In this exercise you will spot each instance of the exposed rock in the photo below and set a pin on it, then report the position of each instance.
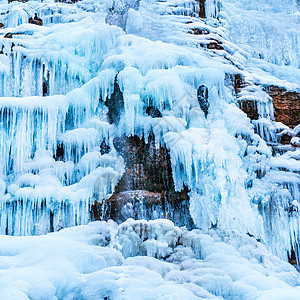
(23, 1)
(136, 204)
(286, 105)
(202, 13)
(104, 148)
(285, 139)
(46, 86)
(249, 107)
(59, 155)
(212, 45)
(9, 35)
(67, 1)
(147, 168)
(153, 112)
(199, 31)
(1, 26)
(238, 82)
(202, 95)
(35, 20)
(146, 189)
(295, 142)
(115, 104)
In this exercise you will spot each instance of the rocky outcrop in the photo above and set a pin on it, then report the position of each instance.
(35, 20)
(212, 44)
(146, 189)
(238, 82)
(202, 13)
(249, 107)
(286, 105)
(23, 1)
(137, 204)
(202, 96)
(199, 31)
(8, 35)
(115, 104)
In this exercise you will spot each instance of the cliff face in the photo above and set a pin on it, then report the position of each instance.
(146, 190)
(286, 105)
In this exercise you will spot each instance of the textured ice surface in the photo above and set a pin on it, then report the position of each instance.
(142, 260)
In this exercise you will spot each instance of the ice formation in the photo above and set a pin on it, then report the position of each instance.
(57, 82)
(142, 260)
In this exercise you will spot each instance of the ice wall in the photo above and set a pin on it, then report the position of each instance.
(51, 166)
(56, 83)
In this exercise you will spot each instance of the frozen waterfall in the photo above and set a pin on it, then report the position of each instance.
(57, 82)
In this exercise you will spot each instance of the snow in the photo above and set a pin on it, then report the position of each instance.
(141, 260)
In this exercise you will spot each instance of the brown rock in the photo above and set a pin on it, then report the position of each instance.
(238, 83)
(199, 31)
(23, 1)
(249, 107)
(285, 139)
(147, 168)
(202, 13)
(67, 1)
(1, 26)
(36, 20)
(286, 105)
(9, 35)
(135, 204)
(146, 189)
(213, 45)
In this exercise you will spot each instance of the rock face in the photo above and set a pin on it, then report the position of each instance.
(137, 204)
(8, 35)
(35, 20)
(146, 189)
(115, 104)
(238, 82)
(202, 96)
(286, 105)
(202, 13)
(249, 107)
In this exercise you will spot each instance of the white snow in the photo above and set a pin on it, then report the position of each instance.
(142, 260)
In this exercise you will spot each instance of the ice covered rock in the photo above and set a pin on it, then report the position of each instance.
(202, 94)
(286, 105)
(35, 20)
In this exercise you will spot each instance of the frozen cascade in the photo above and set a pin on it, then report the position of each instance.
(55, 82)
